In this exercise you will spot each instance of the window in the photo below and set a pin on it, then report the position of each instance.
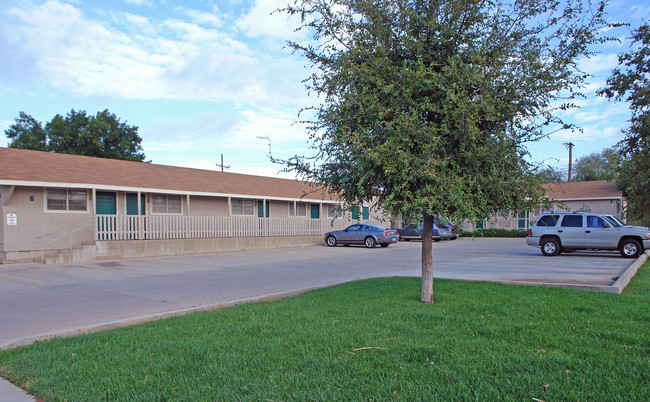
(66, 200)
(548, 220)
(333, 211)
(300, 209)
(596, 222)
(242, 207)
(366, 213)
(166, 204)
(572, 221)
(480, 224)
(522, 218)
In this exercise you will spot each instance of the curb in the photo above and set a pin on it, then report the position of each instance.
(629, 273)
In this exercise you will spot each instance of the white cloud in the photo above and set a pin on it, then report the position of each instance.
(132, 57)
(139, 2)
(263, 19)
(598, 63)
(205, 18)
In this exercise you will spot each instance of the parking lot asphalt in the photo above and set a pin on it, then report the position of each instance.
(40, 301)
(43, 301)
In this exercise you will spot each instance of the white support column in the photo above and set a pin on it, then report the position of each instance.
(93, 207)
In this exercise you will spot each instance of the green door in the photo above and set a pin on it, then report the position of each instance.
(260, 209)
(105, 203)
(315, 211)
(132, 204)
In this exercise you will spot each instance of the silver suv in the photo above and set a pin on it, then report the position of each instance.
(562, 231)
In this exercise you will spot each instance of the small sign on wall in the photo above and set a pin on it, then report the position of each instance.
(12, 219)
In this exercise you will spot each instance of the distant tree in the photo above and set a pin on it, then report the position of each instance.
(27, 133)
(427, 105)
(550, 174)
(101, 135)
(633, 83)
(597, 166)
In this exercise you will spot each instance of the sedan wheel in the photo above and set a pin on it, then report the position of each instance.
(369, 242)
(630, 248)
(331, 241)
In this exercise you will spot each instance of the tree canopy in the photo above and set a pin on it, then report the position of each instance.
(426, 105)
(632, 84)
(550, 174)
(597, 166)
(101, 135)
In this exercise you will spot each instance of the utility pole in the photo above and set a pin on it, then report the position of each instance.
(569, 145)
(222, 166)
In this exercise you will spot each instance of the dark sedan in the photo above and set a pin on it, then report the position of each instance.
(414, 231)
(368, 235)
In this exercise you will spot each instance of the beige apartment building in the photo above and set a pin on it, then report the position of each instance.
(598, 197)
(58, 207)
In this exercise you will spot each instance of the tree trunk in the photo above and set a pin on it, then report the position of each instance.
(427, 260)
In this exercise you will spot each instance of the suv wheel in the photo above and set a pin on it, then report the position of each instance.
(550, 247)
(630, 248)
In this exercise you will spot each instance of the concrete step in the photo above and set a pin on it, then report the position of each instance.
(84, 252)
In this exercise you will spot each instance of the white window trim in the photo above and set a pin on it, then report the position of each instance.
(65, 211)
(295, 209)
(337, 213)
(232, 212)
(165, 213)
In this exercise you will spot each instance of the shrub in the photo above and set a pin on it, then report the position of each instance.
(495, 233)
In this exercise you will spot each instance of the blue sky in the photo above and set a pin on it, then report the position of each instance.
(201, 78)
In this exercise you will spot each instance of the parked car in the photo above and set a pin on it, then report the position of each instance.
(444, 224)
(413, 231)
(618, 223)
(558, 232)
(368, 235)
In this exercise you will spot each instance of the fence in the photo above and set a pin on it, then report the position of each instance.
(138, 227)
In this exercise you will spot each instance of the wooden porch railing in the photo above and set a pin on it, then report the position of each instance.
(138, 227)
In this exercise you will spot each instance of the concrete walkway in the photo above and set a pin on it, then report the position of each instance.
(41, 302)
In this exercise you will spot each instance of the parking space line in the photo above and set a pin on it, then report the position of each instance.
(106, 268)
(22, 279)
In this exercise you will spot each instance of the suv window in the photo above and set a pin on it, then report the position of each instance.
(596, 222)
(548, 220)
(572, 221)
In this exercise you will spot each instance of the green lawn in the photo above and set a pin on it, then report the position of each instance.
(367, 340)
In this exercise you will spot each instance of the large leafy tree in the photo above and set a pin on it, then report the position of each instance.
(426, 105)
(550, 174)
(597, 166)
(632, 83)
(100, 135)
(27, 133)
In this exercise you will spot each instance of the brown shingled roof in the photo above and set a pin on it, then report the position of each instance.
(18, 165)
(583, 190)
